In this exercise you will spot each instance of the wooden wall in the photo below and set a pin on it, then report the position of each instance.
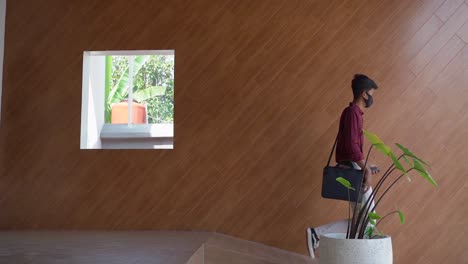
(258, 92)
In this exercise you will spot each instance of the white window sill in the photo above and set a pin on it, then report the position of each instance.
(110, 131)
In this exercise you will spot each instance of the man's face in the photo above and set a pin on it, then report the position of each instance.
(371, 92)
(368, 97)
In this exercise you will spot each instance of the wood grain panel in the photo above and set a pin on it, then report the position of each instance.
(455, 22)
(447, 9)
(99, 247)
(259, 88)
(143, 247)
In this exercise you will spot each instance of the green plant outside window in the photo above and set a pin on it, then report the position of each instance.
(153, 85)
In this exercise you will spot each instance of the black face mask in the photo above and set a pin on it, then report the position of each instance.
(369, 101)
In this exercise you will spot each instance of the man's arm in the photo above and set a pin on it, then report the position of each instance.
(361, 164)
(353, 133)
(355, 149)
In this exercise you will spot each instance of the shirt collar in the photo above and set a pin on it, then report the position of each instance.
(352, 104)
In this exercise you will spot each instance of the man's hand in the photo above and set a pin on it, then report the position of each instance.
(368, 172)
(374, 169)
(371, 170)
(367, 179)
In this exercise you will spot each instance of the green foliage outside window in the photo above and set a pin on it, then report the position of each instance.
(153, 85)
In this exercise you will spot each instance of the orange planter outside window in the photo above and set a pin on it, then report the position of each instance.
(119, 113)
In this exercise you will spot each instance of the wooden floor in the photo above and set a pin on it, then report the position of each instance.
(259, 88)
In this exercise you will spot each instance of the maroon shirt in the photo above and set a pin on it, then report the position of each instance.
(350, 135)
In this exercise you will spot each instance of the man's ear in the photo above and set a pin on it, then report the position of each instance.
(364, 95)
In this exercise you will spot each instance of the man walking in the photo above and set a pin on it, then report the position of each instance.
(349, 151)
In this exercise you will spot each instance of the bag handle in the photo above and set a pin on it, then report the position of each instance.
(333, 149)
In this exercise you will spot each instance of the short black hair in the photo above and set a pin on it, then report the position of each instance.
(362, 83)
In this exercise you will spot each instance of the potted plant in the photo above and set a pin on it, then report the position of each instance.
(117, 103)
(359, 244)
(119, 113)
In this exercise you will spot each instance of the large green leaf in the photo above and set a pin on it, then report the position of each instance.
(400, 215)
(399, 166)
(407, 161)
(377, 143)
(345, 183)
(423, 172)
(107, 87)
(148, 93)
(408, 153)
(119, 91)
(397, 163)
(374, 216)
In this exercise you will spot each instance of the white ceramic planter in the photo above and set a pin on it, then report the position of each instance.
(335, 249)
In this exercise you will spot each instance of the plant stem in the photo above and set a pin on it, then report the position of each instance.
(378, 222)
(386, 174)
(389, 187)
(366, 220)
(368, 203)
(354, 221)
(349, 217)
(379, 183)
(364, 208)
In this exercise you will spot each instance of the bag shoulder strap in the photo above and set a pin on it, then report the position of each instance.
(333, 149)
